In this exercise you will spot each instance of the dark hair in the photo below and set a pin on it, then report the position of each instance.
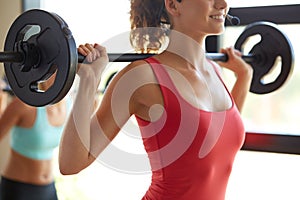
(150, 25)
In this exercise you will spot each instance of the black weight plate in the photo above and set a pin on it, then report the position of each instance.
(273, 44)
(57, 53)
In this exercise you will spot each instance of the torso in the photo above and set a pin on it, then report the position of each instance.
(203, 90)
(56, 115)
(192, 142)
(24, 169)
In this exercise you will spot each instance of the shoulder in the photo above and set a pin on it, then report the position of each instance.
(138, 71)
(21, 110)
(19, 106)
(135, 82)
(15, 112)
(139, 65)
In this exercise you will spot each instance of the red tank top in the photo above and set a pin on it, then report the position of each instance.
(191, 151)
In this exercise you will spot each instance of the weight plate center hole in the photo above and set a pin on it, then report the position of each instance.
(48, 81)
(30, 30)
(250, 43)
(274, 72)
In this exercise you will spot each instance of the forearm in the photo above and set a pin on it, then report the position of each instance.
(241, 89)
(74, 152)
(77, 147)
(3, 102)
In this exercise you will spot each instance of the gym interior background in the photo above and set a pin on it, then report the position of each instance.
(262, 171)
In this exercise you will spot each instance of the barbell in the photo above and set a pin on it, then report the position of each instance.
(40, 43)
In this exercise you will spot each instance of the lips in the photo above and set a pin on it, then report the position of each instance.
(217, 17)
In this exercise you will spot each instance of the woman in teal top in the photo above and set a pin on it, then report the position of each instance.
(35, 133)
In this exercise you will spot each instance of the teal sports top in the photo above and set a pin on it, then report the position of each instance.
(39, 141)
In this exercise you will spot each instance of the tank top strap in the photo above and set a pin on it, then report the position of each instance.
(163, 78)
(221, 79)
(41, 115)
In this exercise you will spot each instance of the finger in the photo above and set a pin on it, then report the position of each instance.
(101, 50)
(232, 53)
(83, 50)
(98, 54)
(86, 49)
(92, 51)
(237, 52)
(222, 50)
(89, 46)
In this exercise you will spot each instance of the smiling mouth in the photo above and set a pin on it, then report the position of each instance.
(217, 17)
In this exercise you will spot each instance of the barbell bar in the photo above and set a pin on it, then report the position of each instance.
(19, 57)
(11, 57)
(40, 43)
(129, 57)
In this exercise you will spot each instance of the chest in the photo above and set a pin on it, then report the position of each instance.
(54, 116)
(187, 138)
(37, 132)
(204, 91)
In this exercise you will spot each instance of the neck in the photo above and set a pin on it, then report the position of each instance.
(188, 48)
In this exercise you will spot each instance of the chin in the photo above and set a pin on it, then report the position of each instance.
(218, 31)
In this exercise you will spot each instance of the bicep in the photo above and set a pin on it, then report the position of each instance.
(118, 102)
(114, 109)
(9, 118)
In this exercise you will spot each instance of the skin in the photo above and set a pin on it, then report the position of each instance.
(3, 100)
(192, 21)
(3, 97)
(19, 167)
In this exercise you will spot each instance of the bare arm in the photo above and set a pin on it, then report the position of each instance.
(87, 133)
(10, 116)
(3, 101)
(75, 146)
(3, 97)
(243, 73)
(241, 89)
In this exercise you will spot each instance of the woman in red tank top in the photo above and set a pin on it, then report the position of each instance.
(188, 119)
